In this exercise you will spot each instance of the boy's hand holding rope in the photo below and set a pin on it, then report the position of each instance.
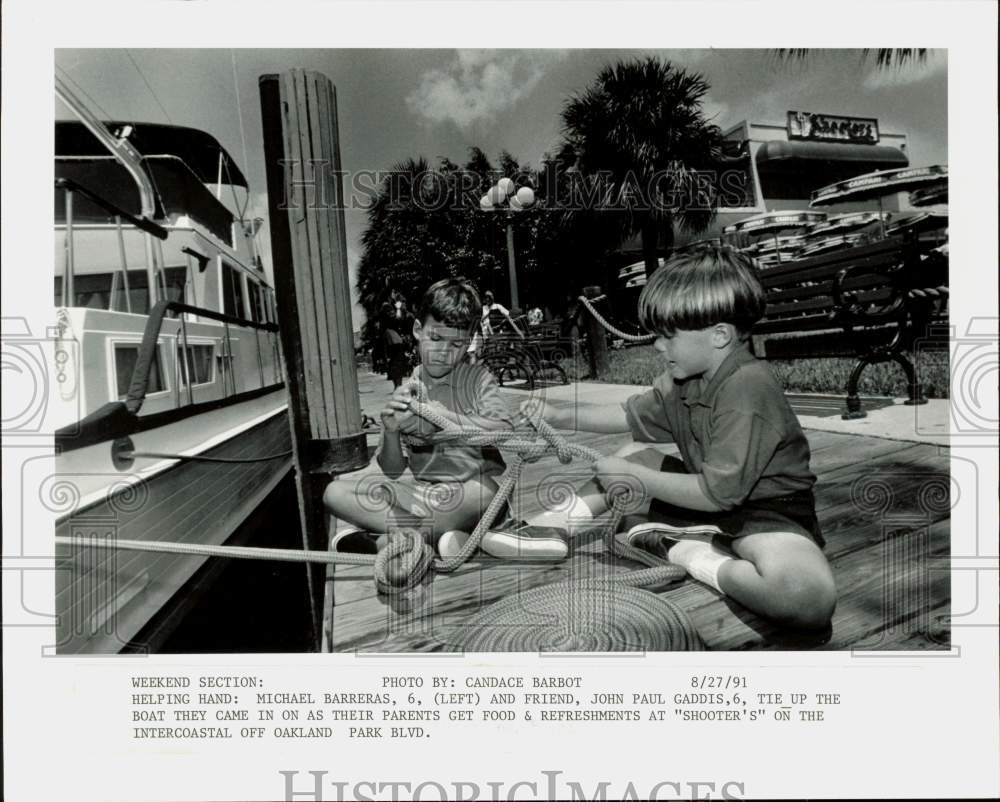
(414, 558)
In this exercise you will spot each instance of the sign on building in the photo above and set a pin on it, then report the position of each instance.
(832, 128)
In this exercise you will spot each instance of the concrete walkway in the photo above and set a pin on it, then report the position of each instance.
(928, 423)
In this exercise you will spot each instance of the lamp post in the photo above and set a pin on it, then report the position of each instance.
(502, 197)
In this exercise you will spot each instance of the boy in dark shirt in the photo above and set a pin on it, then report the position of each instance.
(737, 511)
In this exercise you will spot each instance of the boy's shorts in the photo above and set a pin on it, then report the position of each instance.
(792, 513)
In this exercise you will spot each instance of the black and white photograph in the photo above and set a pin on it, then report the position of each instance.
(391, 398)
(503, 426)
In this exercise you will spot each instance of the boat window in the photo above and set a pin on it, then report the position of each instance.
(107, 290)
(91, 291)
(176, 278)
(257, 313)
(198, 364)
(126, 355)
(232, 291)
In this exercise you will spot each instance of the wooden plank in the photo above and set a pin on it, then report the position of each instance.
(330, 320)
(304, 236)
(342, 336)
(891, 588)
(850, 451)
(873, 602)
(312, 131)
(858, 552)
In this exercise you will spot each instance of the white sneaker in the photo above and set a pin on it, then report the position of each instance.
(517, 540)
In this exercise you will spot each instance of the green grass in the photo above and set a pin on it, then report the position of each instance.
(641, 365)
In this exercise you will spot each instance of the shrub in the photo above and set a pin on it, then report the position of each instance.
(641, 365)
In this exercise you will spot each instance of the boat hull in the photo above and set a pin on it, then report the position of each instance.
(105, 596)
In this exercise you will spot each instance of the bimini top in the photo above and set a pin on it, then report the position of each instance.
(198, 150)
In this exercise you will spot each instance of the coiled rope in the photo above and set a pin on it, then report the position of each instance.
(632, 338)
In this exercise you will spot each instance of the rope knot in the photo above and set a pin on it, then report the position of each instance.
(403, 563)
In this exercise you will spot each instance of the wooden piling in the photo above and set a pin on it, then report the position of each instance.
(313, 295)
(599, 364)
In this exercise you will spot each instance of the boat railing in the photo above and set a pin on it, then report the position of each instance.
(139, 383)
(118, 419)
(154, 272)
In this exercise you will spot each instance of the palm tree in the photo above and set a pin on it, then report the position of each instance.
(885, 57)
(641, 143)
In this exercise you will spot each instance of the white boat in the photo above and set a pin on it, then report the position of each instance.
(168, 344)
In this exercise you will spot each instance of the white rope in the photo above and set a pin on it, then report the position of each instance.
(204, 550)
(632, 338)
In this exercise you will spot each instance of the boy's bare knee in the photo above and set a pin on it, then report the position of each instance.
(460, 511)
(805, 601)
(333, 495)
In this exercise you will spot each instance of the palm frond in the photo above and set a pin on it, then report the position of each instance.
(885, 57)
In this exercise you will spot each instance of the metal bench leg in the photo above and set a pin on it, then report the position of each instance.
(854, 410)
(916, 398)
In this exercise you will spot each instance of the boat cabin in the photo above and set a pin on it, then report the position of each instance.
(203, 255)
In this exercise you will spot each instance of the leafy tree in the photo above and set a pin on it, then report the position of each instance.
(643, 151)
(425, 224)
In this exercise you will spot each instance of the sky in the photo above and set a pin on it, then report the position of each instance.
(397, 104)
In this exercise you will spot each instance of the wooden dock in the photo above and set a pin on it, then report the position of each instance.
(884, 506)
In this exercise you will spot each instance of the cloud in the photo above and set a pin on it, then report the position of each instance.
(684, 57)
(912, 73)
(715, 111)
(479, 84)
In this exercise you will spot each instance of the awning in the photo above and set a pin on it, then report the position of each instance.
(197, 149)
(792, 170)
(883, 157)
(878, 184)
(775, 221)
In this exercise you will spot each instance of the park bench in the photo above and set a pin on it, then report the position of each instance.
(528, 355)
(872, 302)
